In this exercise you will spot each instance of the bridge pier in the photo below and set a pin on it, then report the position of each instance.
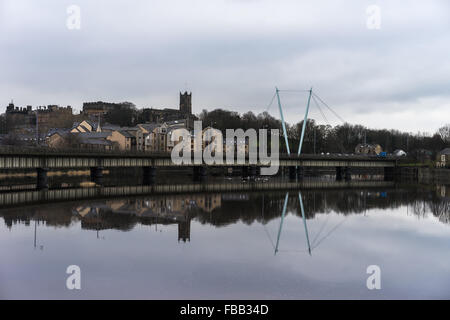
(389, 173)
(245, 172)
(42, 178)
(97, 175)
(292, 173)
(148, 175)
(339, 173)
(348, 173)
(229, 171)
(253, 171)
(250, 171)
(200, 173)
(300, 172)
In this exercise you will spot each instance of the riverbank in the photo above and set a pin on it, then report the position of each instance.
(435, 175)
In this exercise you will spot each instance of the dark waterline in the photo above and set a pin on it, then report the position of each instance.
(232, 245)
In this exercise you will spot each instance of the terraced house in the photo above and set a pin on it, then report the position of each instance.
(443, 158)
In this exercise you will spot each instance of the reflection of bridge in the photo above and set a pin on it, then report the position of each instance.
(107, 216)
(41, 196)
(44, 161)
(283, 213)
(221, 209)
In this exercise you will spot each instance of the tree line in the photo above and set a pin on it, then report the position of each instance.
(341, 138)
(319, 138)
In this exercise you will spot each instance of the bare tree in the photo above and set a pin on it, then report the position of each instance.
(444, 132)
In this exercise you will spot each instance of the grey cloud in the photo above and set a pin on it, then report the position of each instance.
(232, 54)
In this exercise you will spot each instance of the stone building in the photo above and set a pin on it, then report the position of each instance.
(156, 140)
(186, 103)
(19, 117)
(123, 140)
(101, 108)
(108, 140)
(57, 139)
(53, 116)
(136, 135)
(149, 134)
(176, 131)
(21, 120)
(99, 141)
(184, 112)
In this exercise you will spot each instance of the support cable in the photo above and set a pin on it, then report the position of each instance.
(329, 108)
(293, 91)
(320, 109)
(271, 102)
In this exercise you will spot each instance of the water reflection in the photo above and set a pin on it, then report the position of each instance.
(41, 247)
(228, 208)
(299, 244)
(283, 213)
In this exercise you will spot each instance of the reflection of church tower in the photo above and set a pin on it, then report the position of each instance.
(184, 230)
(186, 102)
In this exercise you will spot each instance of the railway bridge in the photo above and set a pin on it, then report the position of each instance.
(43, 160)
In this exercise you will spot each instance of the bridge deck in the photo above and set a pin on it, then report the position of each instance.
(35, 196)
(70, 160)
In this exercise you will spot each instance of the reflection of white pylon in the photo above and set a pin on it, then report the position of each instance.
(304, 221)
(35, 231)
(35, 236)
(281, 222)
(314, 244)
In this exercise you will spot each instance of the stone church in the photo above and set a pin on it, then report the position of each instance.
(184, 112)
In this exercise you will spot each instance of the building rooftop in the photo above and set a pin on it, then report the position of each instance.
(149, 126)
(112, 127)
(171, 128)
(445, 151)
(59, 131)
(126, 134)
(96, 141)
(93, 135)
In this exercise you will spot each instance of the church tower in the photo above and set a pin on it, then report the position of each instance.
(186, 102)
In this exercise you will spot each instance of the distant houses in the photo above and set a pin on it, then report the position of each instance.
(145, 137)
(94, 140)
(57, 127)
(443, 158)
(371, 149)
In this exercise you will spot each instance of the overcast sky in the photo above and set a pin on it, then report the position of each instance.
(231, 54)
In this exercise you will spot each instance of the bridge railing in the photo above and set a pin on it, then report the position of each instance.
(43, 150)
(47, 151)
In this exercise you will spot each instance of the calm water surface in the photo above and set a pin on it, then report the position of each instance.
(232, 245)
